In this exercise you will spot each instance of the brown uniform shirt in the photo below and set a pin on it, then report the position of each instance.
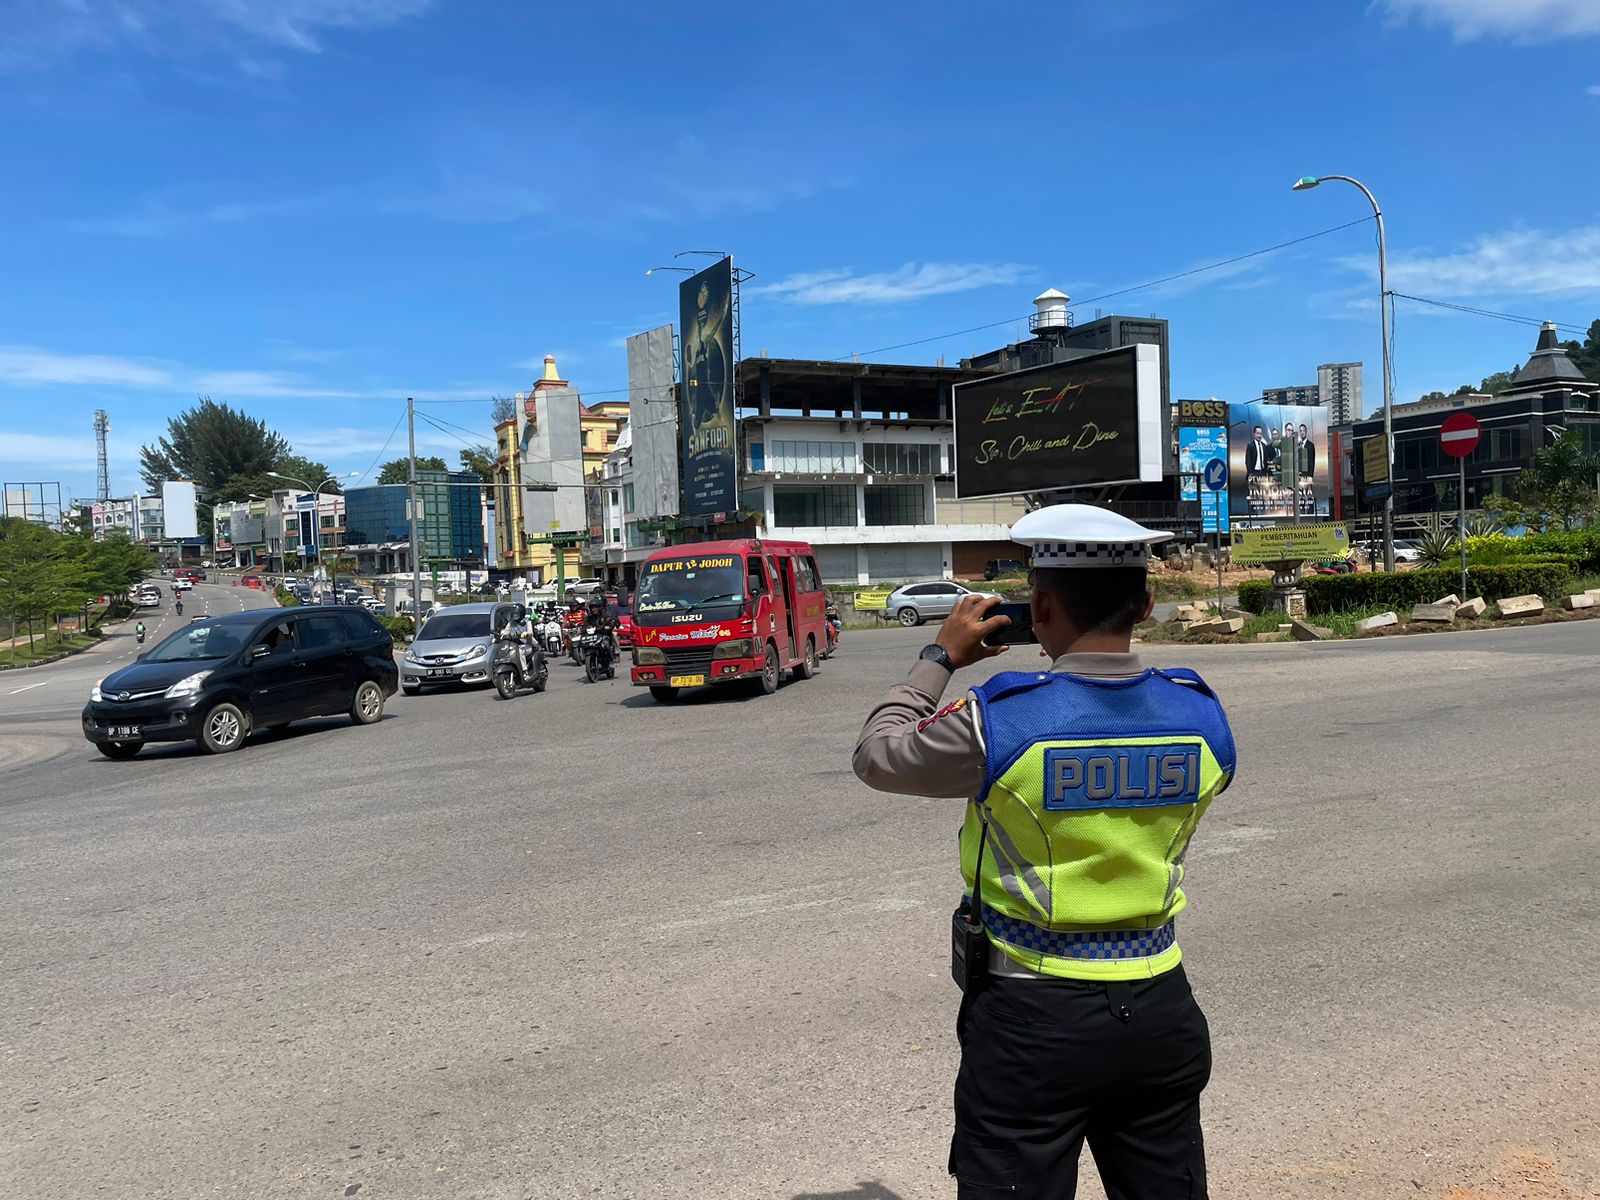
(910, 744)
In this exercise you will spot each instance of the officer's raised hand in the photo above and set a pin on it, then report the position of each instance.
(966, 627)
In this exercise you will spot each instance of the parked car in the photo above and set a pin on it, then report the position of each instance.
(218, 680)
(997, 567)
(454, 645)
(584, 587)
(914, 603)
(1406, 550)
(251, 581)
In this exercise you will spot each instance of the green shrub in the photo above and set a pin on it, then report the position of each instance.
(1181, 586)
(398, 627)
(284, 597)
(1254, 594)
(1405, 589)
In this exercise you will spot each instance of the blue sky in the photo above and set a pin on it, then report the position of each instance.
(313, 208)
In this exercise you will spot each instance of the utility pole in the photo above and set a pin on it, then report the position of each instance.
(413, 505)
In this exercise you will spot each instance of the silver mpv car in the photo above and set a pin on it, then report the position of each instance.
(914, 603)
(454, 645)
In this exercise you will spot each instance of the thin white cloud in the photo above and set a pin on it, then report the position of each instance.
(911, 282)
(1593, 89)
(29, 365)
(264, 383)
(40, 35)
(1522, 262)
(1515, 20)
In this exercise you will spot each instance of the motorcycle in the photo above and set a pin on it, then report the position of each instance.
(835, 631)
(178, 604)
(599, 656)
(516, 665)
(550, 635)
(140, 636)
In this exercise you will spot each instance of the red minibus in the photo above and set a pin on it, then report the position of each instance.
(719, 612)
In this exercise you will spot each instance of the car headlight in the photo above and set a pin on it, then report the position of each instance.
(739, 648)
(187, 686)
(410, 655)
(477, 651)
(648, 656)
(94, 692)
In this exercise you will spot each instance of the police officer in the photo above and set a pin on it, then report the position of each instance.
(1084, 782)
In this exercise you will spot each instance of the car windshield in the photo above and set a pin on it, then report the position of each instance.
(198, 642)
(454, 625)
(680, 584)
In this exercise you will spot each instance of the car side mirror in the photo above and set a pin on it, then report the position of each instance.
(257, 652)
(141, 657)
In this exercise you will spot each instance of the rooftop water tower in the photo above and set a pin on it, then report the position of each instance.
(1051, 317)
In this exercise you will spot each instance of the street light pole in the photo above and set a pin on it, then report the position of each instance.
(411, 516)
(1306, 184)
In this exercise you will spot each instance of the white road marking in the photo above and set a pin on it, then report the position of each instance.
(29, 688)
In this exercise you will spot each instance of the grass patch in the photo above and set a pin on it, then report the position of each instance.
(19, 655)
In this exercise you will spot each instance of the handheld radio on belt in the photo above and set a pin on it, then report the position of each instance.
(969, 944)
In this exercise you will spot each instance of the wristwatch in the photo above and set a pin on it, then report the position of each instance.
(937, 654)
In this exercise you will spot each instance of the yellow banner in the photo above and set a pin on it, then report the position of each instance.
(1374, 460)
(1288, 543)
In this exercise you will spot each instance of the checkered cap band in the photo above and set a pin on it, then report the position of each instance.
(1095, 945)
(1090, 554)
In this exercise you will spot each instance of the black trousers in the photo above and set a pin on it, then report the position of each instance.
(1048, 1063)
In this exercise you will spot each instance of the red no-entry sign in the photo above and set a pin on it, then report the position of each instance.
(1459, 434)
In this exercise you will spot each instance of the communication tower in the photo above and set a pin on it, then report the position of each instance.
(102, 480)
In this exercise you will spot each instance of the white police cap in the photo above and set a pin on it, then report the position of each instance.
(1081, 535)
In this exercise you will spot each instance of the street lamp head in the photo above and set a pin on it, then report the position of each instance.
(275, 475)
(1305, 183)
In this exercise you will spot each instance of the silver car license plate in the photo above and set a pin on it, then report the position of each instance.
(435, 672)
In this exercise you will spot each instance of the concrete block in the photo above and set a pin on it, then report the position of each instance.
(1581, 600)
(1185, 612)
(1231, 611)
(1452, 598)
(1377, 622)
(1520, 606)
(1223, 625)
(1276, 636)
(1595, 592)
(1472, 609)
(1441, 613)
(1302, 631)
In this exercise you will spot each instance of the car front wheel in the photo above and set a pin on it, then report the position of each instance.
(120, 751)
(224, 729)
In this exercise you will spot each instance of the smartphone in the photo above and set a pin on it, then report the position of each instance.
(1020, 630)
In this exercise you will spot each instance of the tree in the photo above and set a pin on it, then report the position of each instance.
(295, 466)
(398, 470)
(1557, 490)
(213, 445)
(501, 408)
(479, 461)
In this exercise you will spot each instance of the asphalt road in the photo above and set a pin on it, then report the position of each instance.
(580, 945)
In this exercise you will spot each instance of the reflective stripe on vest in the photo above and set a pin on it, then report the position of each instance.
(1093, 789)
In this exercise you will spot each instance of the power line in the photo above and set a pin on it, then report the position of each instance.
(1138, 287)
(386, 442)
(1487, 312)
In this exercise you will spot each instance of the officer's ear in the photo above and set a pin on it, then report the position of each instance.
(1149, 606)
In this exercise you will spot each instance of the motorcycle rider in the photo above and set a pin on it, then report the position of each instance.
(138, 630)
(178, 605)
(598, 615)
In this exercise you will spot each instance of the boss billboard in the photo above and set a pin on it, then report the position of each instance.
(710, 467)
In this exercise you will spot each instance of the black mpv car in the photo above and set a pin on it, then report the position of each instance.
(215, 681)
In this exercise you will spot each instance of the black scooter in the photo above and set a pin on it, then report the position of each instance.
(599, 658)
(511, 672)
